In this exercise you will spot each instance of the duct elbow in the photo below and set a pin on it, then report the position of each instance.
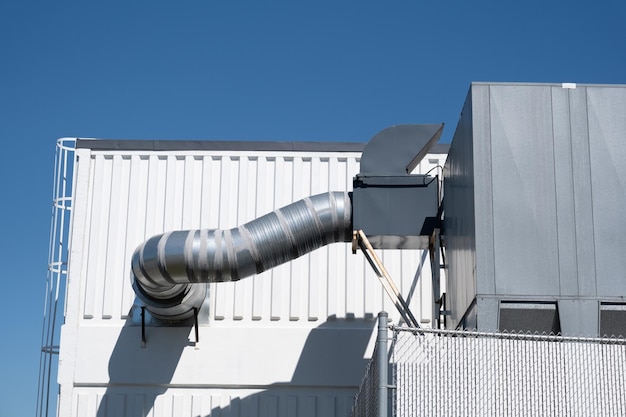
(180, 306)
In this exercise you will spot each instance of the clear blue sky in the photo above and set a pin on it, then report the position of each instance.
(253, 70)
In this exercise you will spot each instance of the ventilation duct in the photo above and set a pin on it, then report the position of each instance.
(169, 270)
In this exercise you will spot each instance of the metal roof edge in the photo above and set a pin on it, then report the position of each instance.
(439, 148)
(546, 84)
(218, 145)
(225, 145)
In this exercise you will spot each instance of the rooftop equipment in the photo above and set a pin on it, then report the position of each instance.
(534, 210)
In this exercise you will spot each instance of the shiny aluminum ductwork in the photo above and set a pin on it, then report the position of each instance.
(171, 271)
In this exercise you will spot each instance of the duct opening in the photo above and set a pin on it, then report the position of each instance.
(613, 320)
(529, 317)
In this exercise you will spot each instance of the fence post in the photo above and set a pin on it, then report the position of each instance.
(382, 364)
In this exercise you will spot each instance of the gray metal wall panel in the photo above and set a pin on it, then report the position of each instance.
(483, 191)
(460, 232)
(522, 178)
(606, 109)
(563, 176)
(585, 251)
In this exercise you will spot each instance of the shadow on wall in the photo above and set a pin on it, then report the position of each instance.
(325, 380)
(132, 367)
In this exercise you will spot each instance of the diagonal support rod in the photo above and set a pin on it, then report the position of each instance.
(359, 239)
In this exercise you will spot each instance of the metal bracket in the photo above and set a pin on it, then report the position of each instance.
(195, 324)
(143, 326)
(359, 239)
(437, 255)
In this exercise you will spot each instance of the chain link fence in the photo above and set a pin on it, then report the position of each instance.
(366, 400)
(372, 398)
(458, 373)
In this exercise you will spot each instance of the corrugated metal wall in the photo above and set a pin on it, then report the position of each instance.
(212, 402)
(124, 197)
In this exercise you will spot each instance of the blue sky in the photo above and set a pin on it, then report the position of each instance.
(251, 70)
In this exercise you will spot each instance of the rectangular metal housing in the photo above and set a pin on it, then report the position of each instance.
(535, 201)
(396, 212)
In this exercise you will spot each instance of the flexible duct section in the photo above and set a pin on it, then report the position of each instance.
(171, 271)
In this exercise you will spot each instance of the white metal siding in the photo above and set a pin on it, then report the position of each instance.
(133, 197)
(211, 402)
(124, 197)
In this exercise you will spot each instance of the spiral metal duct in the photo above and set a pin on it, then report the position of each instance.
(171, 271)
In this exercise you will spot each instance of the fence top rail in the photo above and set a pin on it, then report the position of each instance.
(544, 337)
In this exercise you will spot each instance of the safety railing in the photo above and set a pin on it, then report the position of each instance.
(55, 280)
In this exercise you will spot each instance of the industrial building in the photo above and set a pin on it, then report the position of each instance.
(206, 278)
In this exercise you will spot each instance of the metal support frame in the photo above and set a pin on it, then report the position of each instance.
(437, 254)
(382, 364)
(359, 239)
(143, 325)
(195, 324)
